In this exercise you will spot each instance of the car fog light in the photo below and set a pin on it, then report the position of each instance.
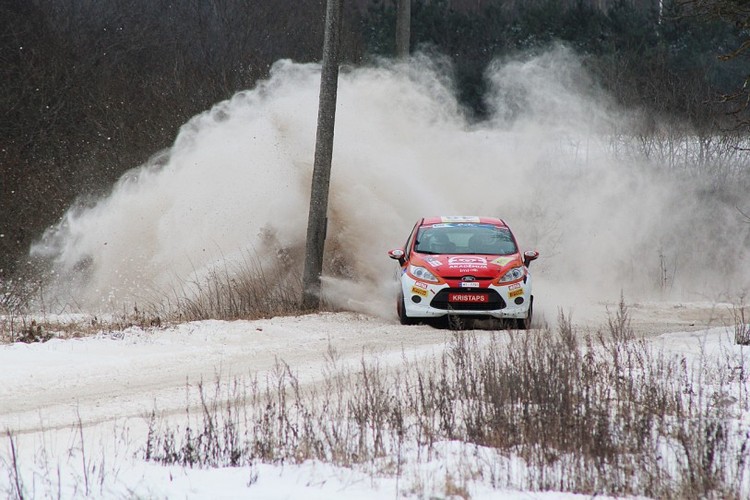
(519, 300)
(416, 299)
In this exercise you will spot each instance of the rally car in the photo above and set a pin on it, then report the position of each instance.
(464, 267)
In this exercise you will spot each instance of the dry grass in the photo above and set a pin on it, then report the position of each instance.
(741, 316)
(250, 288)
(28, 328)
(602, 415)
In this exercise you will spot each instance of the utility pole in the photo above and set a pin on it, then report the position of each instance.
(317, 219)
(403, 28)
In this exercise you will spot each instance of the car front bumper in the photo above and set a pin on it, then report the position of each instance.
(426, 300)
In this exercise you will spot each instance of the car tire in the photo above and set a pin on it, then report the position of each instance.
(401, 309)
(525, 323)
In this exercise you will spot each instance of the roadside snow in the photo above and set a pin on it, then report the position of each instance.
(129, 373)
(102, 387)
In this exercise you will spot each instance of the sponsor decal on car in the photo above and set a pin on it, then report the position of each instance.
(419, 291)
(459, 218)
(420, 284)
(468, 297)
(515, 290)
(433, 262)
(501, 261)
(465, 261)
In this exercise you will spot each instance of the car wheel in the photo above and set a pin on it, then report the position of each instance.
(525, 323)
(401, 309)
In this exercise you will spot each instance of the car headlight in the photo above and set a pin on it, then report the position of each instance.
(422, 273)
(512, 275)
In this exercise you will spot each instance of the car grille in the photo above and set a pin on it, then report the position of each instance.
(441, 301)
(462, 276)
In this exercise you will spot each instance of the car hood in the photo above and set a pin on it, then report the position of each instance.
(479, 266)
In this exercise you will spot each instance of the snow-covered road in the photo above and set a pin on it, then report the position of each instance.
(127, 374)
(105, 386)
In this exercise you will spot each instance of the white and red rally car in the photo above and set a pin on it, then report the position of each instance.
(464, 266)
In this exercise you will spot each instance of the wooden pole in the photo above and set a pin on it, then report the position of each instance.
(317, 218)
(403, 28)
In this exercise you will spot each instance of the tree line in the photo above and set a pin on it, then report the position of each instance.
(91, 88)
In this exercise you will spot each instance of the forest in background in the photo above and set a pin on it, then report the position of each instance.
(92, 88)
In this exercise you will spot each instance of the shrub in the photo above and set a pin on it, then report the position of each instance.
(594, 415)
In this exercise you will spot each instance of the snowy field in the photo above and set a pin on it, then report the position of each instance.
(78, 409)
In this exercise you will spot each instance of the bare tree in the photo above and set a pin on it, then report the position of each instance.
(737, 13)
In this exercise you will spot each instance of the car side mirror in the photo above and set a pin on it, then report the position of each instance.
(528, 256)
(398, 255)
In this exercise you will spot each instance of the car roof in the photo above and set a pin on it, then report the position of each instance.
(428, 221)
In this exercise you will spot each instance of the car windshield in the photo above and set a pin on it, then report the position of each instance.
(483, 239)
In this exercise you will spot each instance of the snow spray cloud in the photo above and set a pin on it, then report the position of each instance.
(546, 160)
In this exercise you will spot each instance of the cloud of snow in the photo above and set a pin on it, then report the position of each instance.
(553, 159)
